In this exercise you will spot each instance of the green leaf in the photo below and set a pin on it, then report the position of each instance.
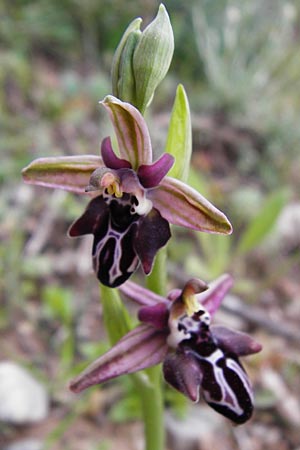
(262, 224)
(179, 140)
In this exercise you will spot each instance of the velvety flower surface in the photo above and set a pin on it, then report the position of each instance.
(198, 358)
(133, 199)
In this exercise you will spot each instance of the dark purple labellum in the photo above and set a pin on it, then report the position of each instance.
(114, 257)
(225, 385)
(122, 237)
(114, 228)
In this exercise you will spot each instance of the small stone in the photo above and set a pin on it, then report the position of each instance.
(25, 444)
(23, 399)
(201, 428)
(288, 225)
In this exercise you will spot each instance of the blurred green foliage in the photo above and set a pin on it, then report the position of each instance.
(251, 58)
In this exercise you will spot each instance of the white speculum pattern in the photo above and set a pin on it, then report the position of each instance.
(184, 326)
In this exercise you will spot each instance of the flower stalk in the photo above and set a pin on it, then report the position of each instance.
(115, 316)
(153, 410)
(152, 396)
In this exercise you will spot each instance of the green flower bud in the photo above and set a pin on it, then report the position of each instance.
(142, 60)
(123, 83)
(152, 57)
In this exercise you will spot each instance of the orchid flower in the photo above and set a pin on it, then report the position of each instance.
(133, 199)
(198, 358)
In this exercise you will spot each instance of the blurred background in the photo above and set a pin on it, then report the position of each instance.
(240, 65)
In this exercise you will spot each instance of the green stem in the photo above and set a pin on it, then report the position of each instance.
(157, 280)
(151, 395)
(152, 408)
(115, 316)
(117, 323)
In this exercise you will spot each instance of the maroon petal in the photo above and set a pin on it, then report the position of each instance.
(152, 234)
(156, 315)
(109, 157)
(93, 218)
(236, 342)
(182, 371)
(152, 174)
(140, 348)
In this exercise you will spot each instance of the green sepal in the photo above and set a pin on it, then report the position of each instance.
(179, 139)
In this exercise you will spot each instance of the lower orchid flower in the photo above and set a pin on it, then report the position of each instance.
(133, 199)
(198, 358)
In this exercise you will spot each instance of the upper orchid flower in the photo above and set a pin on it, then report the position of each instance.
(197, 357)
(134, 201)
